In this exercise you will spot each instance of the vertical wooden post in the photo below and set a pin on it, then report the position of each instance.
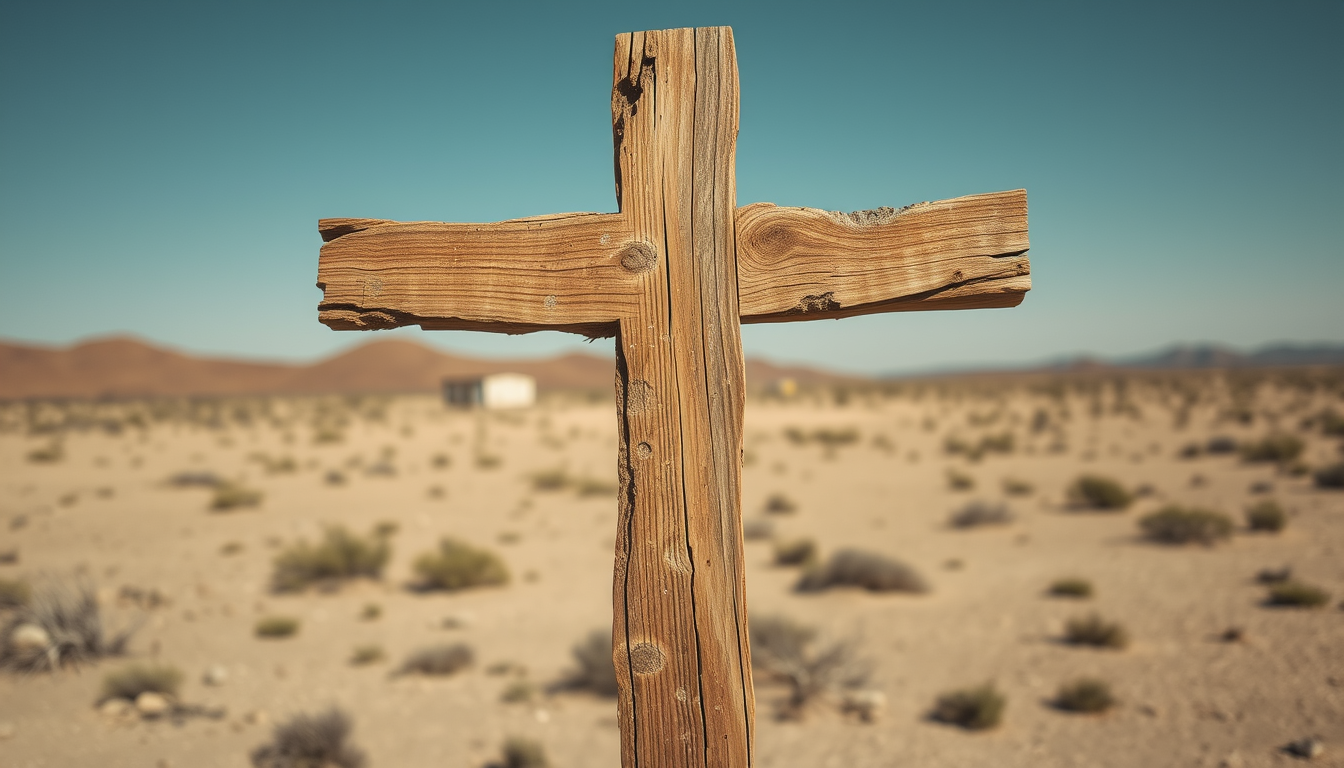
(679, 635)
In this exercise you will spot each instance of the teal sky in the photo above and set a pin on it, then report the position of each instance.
(163, 166)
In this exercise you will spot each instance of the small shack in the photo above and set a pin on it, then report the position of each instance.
(497, 390)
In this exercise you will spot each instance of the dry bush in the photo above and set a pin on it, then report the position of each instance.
(444, 659)
(517, 692)
(276, 626)
(1178, 525)
(758, 529)
(1295, 594)
(58, 626)
(370, 653)
(1220, 445)
(549, 480)
(457, 565)
(371, 612)
(1330, 477)
(595, 670)
(869, 570)
(976, 709)
(14, 593)
(523, 753)
(231, 495)
(1266, 515)
(1279, 447)
(779, 504)
(1017, 487)
(588, 486)
(1094, 631)
(795, 552)
(1332, 423)
(1098, 493)
(783, 650)
(340, 555)
(1071, 587)
(51, 453)
(1085, 695)
(311, 741)
(959, 481)
(193, 479)
(134, 679)
(978, 513)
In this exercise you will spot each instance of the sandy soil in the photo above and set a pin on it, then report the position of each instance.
(104, 515)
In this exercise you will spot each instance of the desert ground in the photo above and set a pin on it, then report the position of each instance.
(117, 497)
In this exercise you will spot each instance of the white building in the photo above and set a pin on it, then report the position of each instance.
(498, 390)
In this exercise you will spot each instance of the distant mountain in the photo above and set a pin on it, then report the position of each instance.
(128, 367)
(1214, 356)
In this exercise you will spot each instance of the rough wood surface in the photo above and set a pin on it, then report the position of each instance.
(679, 634)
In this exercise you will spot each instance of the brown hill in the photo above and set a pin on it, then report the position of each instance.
(126, 367)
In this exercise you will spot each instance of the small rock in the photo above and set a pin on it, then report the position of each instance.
(29, 638)
(115, 707)
(151, 704)
(1307, 749)
(6, 730)
(867, 704)
(216, 674)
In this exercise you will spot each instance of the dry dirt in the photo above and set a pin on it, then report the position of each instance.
(104, 515)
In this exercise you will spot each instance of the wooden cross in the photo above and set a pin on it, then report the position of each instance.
(671, 275)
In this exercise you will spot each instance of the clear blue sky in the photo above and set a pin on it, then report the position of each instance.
(163, 166)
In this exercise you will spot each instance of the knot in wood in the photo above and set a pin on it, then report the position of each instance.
(824, 303)
(639, 256)
(643, 450)
(646, 659)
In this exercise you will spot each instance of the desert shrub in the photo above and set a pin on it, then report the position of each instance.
(517, 691)
(1220, 444)
(14, 593)
(1017, 487)
(1085, 695)
(371, 612)
(230, 548)
(277, 626)
(1179, 525)
(588, 486)
(1279, 447)
(795, 552)
(1274, 575)
(975, 709)
(340, 555)
(57, 626)
(549, 480)
(1071, 587)
(959, 481)
(1190, 451)
(1094, 631)
(231, 495)
(1330, 477)
(48, 454)
(999, 443)
(457, 565)
(758, 529)
(870, 570)
(134, 679)
(444, 659)
(1332, 423)
(190, 479)
(779, 504)
(1266, 516)
(1101, 493)
(371, 653)
(783, 649)
(595, 670)
(311, 741)
(1295, 594)
(978, 513)
(523, 753)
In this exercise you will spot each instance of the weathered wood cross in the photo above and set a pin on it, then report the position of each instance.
(671, 276)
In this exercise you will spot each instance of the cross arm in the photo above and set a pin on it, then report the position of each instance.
(805, 263)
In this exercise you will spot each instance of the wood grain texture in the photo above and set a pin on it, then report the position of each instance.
(804, 263)
(678, 588)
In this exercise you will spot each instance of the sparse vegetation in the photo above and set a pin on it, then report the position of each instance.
(1295, 594)
(977, 709)
(232, 495)
(371, 612)
(311, 741)
(1099, 493)
(1017, 487)
(1179, 525)
(1071, 587)
(1330, 477)
(795, 552)
(517, 691)
(595, 670)
(782, 649)
(340, 555)
(50, 453)
(1279, 447)
(1086, 694)
(371, 653)
(1266, 516)
(277, 626)
(57, 626)
(457, 565)
(442, 659)
(1097, 632)
(869, 570)
(523, 753)
(758, 529)
(134, 679)
(779, 504)
(959, 481)
(14, 593)
(978, 513)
